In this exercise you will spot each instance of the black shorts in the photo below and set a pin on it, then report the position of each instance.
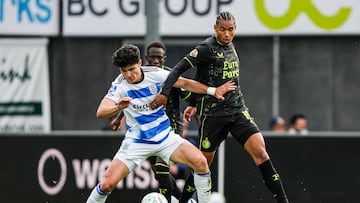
(214, 129)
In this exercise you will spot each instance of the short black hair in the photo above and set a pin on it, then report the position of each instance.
(156, 44)
(225, 15)
(295, 117)
(127, 54)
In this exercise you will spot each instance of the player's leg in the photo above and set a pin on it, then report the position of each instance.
(167, 183)
(189, 189)
(189, 155)
(246, 132)
(255, 146)
(212, 131)
(162, 175)
(189, 186)
(114, 173)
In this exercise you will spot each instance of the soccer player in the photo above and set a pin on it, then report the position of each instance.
(217, 62)
(156, 56)
(148, 130)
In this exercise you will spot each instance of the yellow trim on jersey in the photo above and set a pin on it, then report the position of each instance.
(186, 59)
(187, 96)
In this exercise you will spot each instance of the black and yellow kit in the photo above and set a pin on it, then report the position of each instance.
(216, 64)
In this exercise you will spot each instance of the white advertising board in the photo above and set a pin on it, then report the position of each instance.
(25, 89)
(196, 17)
(178, 17)
(31, 17)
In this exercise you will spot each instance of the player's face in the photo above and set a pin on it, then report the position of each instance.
(156, 56)
(225, 31)
(132, 73)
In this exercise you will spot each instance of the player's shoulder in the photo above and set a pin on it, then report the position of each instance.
(149, 69)
(167, 68)
(210, 40)
(206, 45)
(153, 70)
(119, 79)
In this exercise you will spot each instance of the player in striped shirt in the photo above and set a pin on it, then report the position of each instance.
(148, 129)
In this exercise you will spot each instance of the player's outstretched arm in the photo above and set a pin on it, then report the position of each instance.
(200, 88)
(108, 107)
(196, 87)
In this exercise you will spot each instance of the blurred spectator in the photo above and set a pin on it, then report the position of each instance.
(298, 125)
(277, 124)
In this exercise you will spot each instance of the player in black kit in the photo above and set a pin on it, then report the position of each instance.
(217, 62)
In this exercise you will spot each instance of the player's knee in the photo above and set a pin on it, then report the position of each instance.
(201, 165)
(107, 185)
(261, 157)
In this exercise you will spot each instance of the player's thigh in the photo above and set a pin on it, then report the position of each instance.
(255, 146)
(243, 127)
(187, 154)
(212, 131)
(116, 172)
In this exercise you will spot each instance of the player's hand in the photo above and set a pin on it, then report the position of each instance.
(124, 103)
(159, 100)
(189, 112)
(223, 89)
(115, 123)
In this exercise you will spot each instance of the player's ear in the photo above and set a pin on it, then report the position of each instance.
(140, 62)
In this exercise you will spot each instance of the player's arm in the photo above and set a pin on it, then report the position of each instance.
(200, 88)
(175, 73)
(108, 107)
(115, 122)
(196, 87)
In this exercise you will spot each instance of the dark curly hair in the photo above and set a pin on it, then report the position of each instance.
(127, 54)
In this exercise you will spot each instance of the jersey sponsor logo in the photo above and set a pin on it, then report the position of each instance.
(141, 108)
(230, 70)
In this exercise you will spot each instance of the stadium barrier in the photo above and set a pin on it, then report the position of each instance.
(64, 166)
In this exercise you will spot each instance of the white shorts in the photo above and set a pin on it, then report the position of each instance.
(133, 154)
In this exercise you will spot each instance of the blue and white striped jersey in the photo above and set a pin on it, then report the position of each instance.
(143, 124)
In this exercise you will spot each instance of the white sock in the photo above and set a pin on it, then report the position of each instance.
(203, 187)
(97, 195)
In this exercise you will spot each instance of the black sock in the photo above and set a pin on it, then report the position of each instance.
(163, 177)
(273, 181)
(189, 189)
(176, 191)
